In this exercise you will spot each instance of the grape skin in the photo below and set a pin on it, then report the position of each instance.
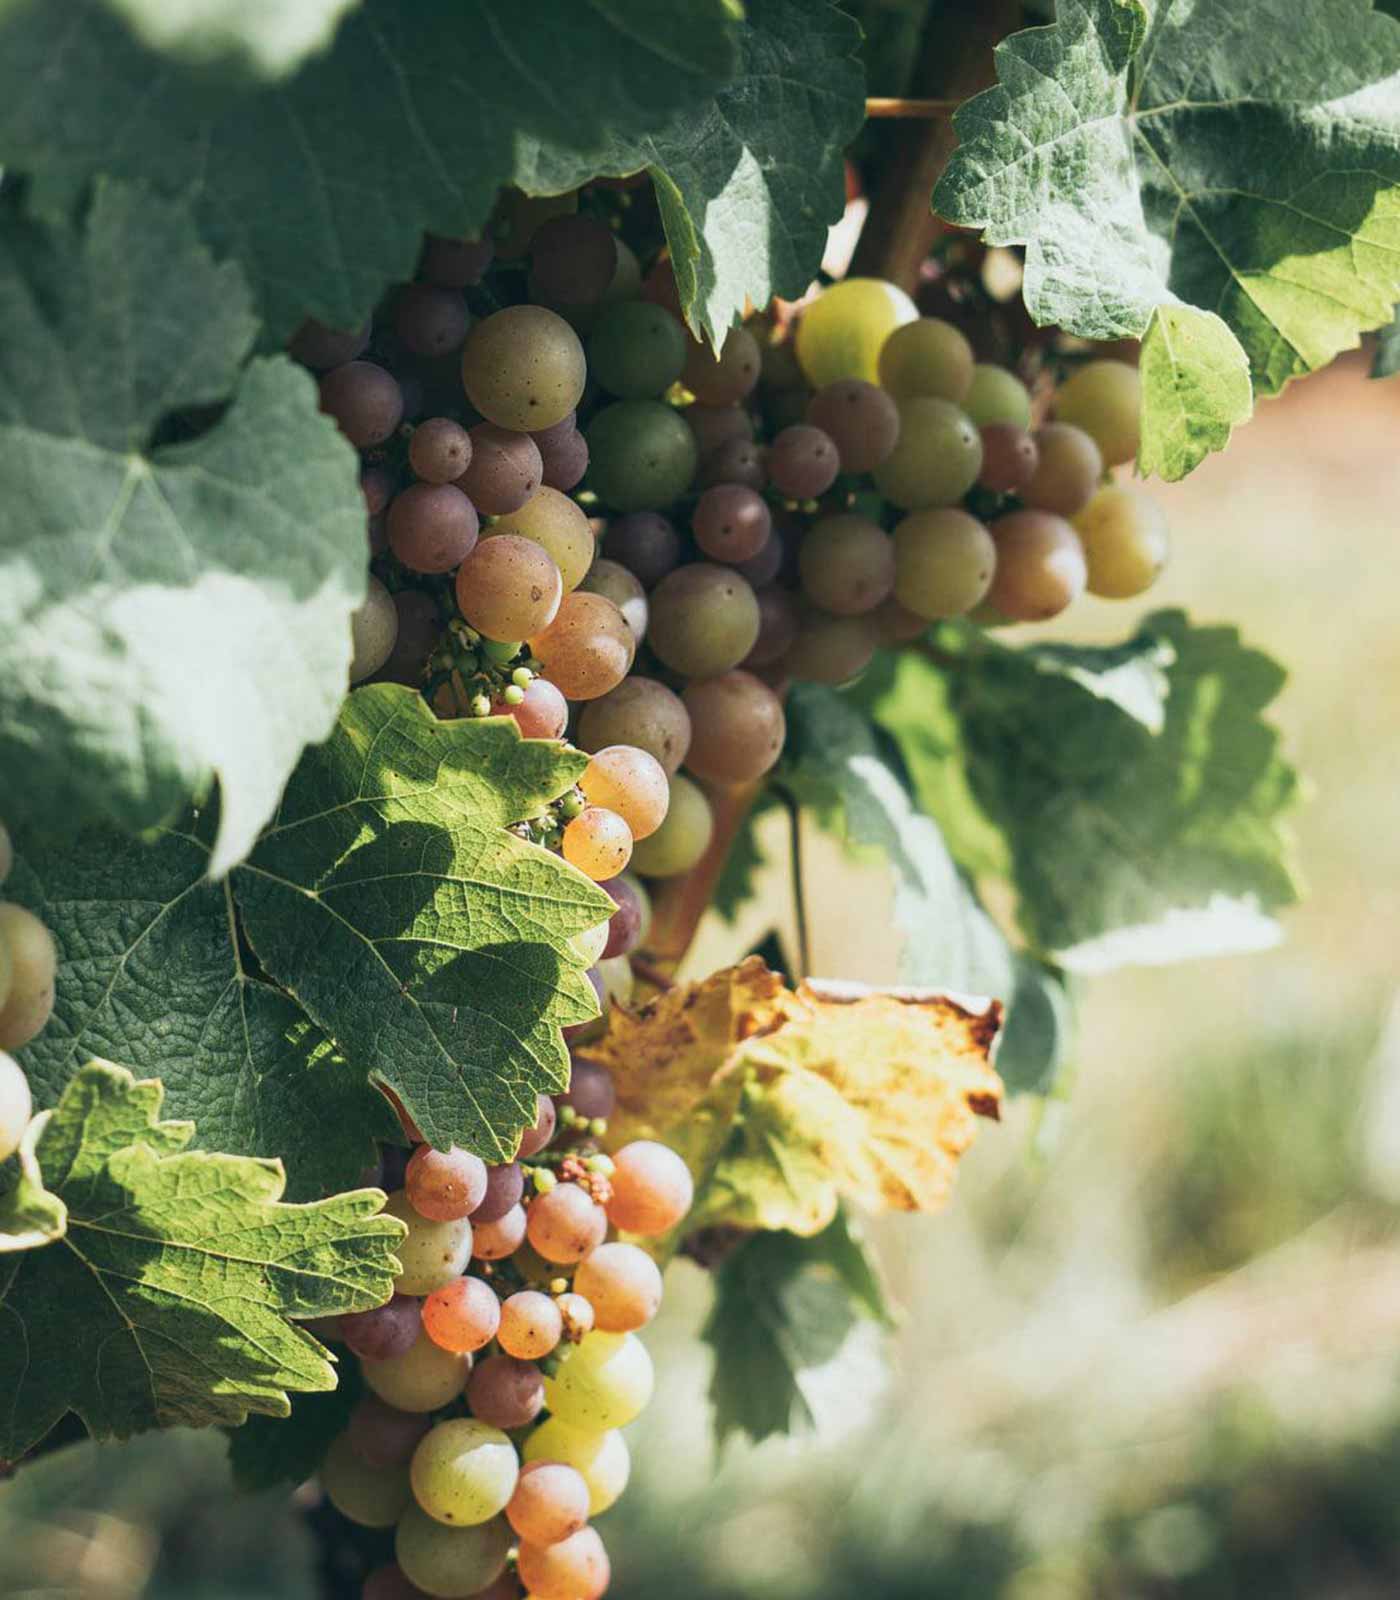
(1069, 469)
(860, 418)
(1125, 541)
(843, 331)
(704, 620)
(645, 543)
(433, 527)
(778, 621)
(937, 459)
(602, 1459)
(606, 1381)
(523, 368)
(587, 649)
(640, 712)
(505, 469)
(652, 1189)
(631, 782)
(531, 1325)
(367, 1495)
(614, 582)
(444, 1185)
(574, 1569)
(997, 395)
(464, 1472)
(622, 1284)
(641, 455)
(364, 401)
(637, 350)
(681, 840)
(33, 966)
(1040, 566)
(803, 461)
(509, 588)
(425, 1378)
(382, 1436)
(927, 357)
(565, 1224)
(506, 1392)
(550, 1502)
(944, 563)
(731, 522)
(462, 1316)
(558, 525)
(432, 1253)
(722, 381)
(1104, 398)
(847, 564)
(831, 649)
(738, 727)
(504, 1186)
(383, 1332)
(450, 1563)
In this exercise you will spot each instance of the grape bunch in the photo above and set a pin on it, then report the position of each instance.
(28, 962)
(507, 1361)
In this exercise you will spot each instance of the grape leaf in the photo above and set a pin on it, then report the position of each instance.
(30, 1215)
(387, 900)
(265, 1451)
(168, 614)
(1035, 1048)
(270, 37)
(783, 1103)
(1220, 177)
(1137, 834)
(320, 186)
(167, 1300)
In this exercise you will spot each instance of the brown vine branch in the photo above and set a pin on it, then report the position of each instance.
(901, 106)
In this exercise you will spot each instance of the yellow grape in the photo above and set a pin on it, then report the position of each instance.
(996, 395)
(433, 1253)
(944, 562)
(558, 525)
(598, 842)
(33, 964)
(929, 357)
(523, 368)
(937, 459)
(425, 1379)
(1124, 532)
(843, 331)
(603, 1382)
(1105, 399)
(602, 1459)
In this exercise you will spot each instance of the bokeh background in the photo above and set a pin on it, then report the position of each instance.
(1154, 1347)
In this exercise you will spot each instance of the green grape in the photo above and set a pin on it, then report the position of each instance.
(464, 1472)
(1040, 566)
(846, 563)
(642, 456)
(682, 838)
(33, 964)
(738, 727)
(831, 649)
(16, 1105)
(558, 525)
(996, 395)
(451, 1563)
(944, 563)
(937, 459)
(372, 1497)
(929, 357)
(602, 1460)
(1125, 541)
(604, 1382)
(1069, 468)
(1105, 399)
(374, 626)
(843, 331)
(523, 368)
(434, 1253)
(640, 712)
(637, 350)
(704, 620)
(426, 1378)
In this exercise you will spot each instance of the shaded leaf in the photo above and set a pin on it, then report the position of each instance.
(265, 1451)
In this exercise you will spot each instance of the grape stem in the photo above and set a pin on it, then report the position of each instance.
(649, 972)
(900, 106)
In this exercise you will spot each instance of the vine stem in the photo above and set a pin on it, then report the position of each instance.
(901, 106)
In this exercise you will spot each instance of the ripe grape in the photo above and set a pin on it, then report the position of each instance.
(927, 357)
(614, 582)
(944, 563)
(605, 1381)
(1071, 465)
(847, 564)
(320, 348)
(505, 1184)
(16, 1103)
(763, 568)
(451, 1563)
(1040, 566)
(506, 1392)
(464, 1471)
(624, 927)
(896, 624)
(432, 527)
(859, 418)
(802, 462)
(440, 450)
(937, 459)
(641, 455)
(424, 1378)
(997, 395)
(622, 1284)
(433, 1253)
(504, 471)
(1104, 398)
(33, 965)
(572, 259)
(1125, 541)
(369, 1496)
(444, 1185)
(777, 627)
(374, 625)
(591, 1091)
(1010, 457)
(389, 1582)
(564, 460)
(714, 426)
(737, 727)
(377, 485)
(384, 1331)
(645, 543)
(454, 263)
(542, 714)
(574, 1569)
(566, 1223)
(364, 401)
(559, 526)
(531, 1325)
(588, 647)
(639, 712)
(682, 838)
(652, 1189)
(430, 320)
(722, 381)
(602, 1460)
(462, 1316)
(704, 620)
(494, 1241)
(831, 649)
(739, 461)
(637, 350)
(523, 368)
(550, 1502)
(509, 588)
(541, 1131)
(630, 781)
(730, 522)
(382, 1436)
(843, 331)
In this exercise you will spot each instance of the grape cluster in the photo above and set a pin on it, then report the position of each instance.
(504, 1366)
(28, 962)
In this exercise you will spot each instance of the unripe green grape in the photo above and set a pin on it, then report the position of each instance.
(704, 620)
(587, 649)
(737, 726)
(464, 1472)
(33, 967)
(601, 1459)
(843, 331)
(996, 395)
(847, 564)
(16, 1105)
(641, 455)
(425, 1379)
(451, 1563)
(523, 368)
(639, 712)
(1105, 399)
(558, 525)
(1124, 533)
(370, 1496)
(605, 1381)
(944, 563)
(927, 357)
(937, 459)
(1040, 566)
(637, 350)
(433, 1253)
(1068, 472)
(831, 649)
(682, 838)
(374, 626)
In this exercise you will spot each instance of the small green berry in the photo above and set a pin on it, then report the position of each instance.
(512, 694)
(545, 1180)
(571, 805)
(568, 1116)
(500, 651)
(522, 677)
(603, 1166)
(598, 1127)
(480, 705)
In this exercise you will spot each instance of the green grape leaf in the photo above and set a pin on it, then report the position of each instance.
(268, 37)
(1221, 177)
(166, 1302)
(321, 186)
(170, 613)
(748, 181)
(30, 1215)
(1141, 830)
(1036, 1044)
(783, 1306)
(422, 945)
(738, 879)
(265, 1451)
